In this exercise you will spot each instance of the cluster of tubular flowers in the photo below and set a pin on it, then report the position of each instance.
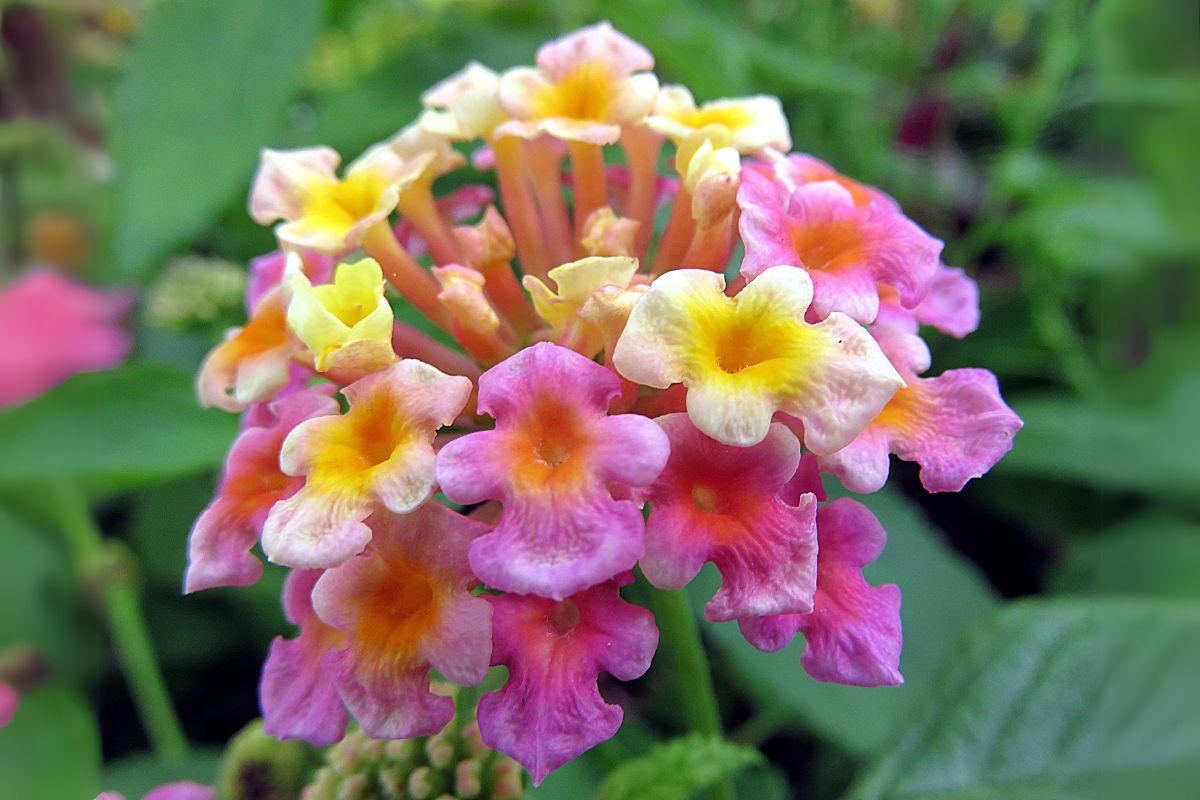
(587, 393)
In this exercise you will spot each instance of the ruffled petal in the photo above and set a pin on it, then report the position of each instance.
(219, 545)
(952, 303)
(853, 633)
(298, 693)
(378, 454)
(557, 463)
(286, 177)
(405, 605)
(720, 503)
(551, 711)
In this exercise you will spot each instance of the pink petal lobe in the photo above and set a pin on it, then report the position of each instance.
(720, 503)
(952, 303)
(560, 467)
(551, 711)
(298, 693)
(182, 790)
(405, 606)
(218, 549)
(853, 633)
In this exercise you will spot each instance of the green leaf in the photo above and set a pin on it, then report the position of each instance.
(1057, 701)
(1108, 443)
(51, 750)
(205, 86)
(677, 769)
(858, 719)
(136, 425)
(1153, 554)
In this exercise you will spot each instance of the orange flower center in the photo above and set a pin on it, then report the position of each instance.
(549, 446)
(824, 247)
(398, 606)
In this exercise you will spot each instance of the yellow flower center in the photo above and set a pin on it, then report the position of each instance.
(586, 93)
(749, 344)
(356, 445)
(549, 446)
(341, 204)
(730, 117)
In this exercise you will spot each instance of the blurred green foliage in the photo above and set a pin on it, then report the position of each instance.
(1049, 142)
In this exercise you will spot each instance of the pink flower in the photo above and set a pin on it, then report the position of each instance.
(9, 700)
(379, 454)
(550, 711)
(555, 462)
(951, 305)
(956, 426)
(720, 503)
(586, 86)
(406, 605)
(181, 790)
(799, 169)
(845, 248)
(853, 633)
(51, 328)
(218, 549)
(298, 693)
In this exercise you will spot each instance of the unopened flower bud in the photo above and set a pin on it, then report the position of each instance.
(259, 767)
(196, 293)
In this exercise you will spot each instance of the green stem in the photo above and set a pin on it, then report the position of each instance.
(126, 623)
(681, 637)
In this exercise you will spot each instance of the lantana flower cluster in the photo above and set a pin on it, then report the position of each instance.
(591, 395)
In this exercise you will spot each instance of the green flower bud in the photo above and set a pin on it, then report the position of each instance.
(259, 767)
(196, 293)
(453, 764)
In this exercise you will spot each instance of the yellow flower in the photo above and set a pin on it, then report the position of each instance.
(325, 213)
(754, 123)
(586, 86)
(744, 358)
(577, 283)
(346, 324)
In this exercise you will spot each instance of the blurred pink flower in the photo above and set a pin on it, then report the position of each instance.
(52, 327)
(9, 699)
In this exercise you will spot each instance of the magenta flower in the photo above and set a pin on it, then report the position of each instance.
(846, 248)
(550, 711)
(720, 503)
(558, 464)
(52, 328)
(298, 694)
(853, 633)
(180, 790)
(9, 700)
(406, 606)
(956, 426)
(218, 549)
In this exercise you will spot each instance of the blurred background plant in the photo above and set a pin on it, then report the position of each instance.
(1051, 143)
